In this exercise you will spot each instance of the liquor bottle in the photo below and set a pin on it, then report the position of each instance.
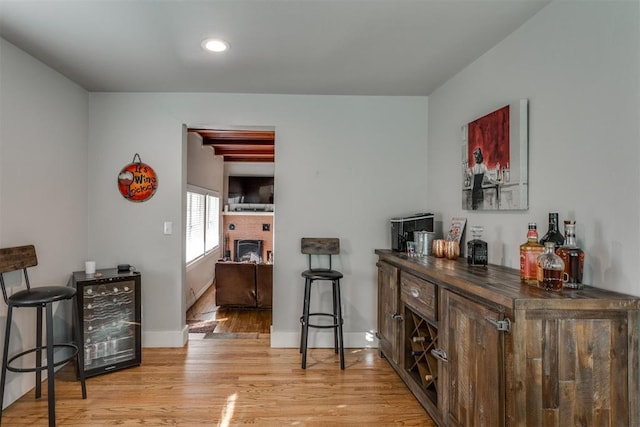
(477, 252)
(549, 268)
(572, 256)
(529, 252)
(553, 234)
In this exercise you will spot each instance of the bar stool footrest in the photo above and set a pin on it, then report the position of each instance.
(43, 348)
(333, 325)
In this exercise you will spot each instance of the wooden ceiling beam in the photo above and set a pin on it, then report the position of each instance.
(248, 159)
(231, 135)
(253, 142)
(240, 145)
(243, 148)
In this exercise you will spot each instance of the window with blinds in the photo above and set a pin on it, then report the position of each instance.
(211, 231)
(203, 216)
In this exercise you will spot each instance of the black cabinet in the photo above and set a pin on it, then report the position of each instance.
(110, 319)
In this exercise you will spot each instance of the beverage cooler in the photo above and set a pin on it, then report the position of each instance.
(110, 319)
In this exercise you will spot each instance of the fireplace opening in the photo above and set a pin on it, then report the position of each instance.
(247, 250)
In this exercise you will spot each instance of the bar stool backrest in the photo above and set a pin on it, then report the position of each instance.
(16, 258)
(320, 246)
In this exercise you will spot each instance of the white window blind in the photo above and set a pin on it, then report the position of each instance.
(195, 225)
(212, 234)
(203, 219)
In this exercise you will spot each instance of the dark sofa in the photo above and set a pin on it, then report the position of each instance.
(244, 284)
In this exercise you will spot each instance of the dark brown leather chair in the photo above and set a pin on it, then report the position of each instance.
(235, 284)
(264, 285)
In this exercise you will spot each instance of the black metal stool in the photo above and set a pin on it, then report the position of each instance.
(20, 258)
(321, 247)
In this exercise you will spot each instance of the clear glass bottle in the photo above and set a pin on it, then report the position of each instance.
(550, 269)
(572, 256)
(529, 252)
(553, 234)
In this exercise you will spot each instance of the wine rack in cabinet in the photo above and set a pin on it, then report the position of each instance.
(421, 337)
(419, 367)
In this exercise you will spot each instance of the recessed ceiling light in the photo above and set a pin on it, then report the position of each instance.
(215, 45)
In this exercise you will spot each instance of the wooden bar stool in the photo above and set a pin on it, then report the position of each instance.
(20, 258)
(321, 247)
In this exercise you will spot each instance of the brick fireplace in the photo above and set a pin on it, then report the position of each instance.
(248, 226)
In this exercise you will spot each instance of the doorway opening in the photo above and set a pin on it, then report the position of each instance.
(246, 232)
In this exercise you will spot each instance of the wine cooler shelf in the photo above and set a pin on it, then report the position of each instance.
(110, 317)
(422, 338)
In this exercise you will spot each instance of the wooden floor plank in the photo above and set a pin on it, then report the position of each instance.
(230, 320)
(232, 382)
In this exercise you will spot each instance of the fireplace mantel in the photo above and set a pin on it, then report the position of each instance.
(247, 213)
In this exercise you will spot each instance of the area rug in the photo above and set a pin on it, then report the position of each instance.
(201, 326)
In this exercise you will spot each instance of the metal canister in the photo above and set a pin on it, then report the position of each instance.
(421, 239)
(424, 242)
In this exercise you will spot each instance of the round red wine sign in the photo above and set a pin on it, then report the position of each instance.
(137, 182)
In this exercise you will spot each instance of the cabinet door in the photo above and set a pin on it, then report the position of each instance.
(575, 368)
(473, 380)
(388, 314)
(109, 309)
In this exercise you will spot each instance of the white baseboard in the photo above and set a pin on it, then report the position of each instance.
(197, 295)
(165, 338)
(323, 339)
(19, 384)
(279, 339)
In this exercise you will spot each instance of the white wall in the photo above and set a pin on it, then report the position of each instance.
(344, 166)
(578, 64)
(43, 182)
(121, 231)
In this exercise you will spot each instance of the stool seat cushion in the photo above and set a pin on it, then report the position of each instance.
(40, 295)
(321, 274)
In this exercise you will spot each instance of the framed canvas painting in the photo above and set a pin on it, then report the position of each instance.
(495, 160)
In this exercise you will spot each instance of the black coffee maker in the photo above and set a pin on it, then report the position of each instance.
(402, 229)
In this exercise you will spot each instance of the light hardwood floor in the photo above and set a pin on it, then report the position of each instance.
(232, 382)
(230, 320)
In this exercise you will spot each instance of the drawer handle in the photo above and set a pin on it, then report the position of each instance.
(439, 353)
(415, 293)
(396, 316)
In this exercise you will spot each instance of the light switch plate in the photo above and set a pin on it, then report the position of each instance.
(168, 228)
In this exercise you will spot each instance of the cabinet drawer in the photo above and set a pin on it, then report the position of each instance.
(419, 294)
